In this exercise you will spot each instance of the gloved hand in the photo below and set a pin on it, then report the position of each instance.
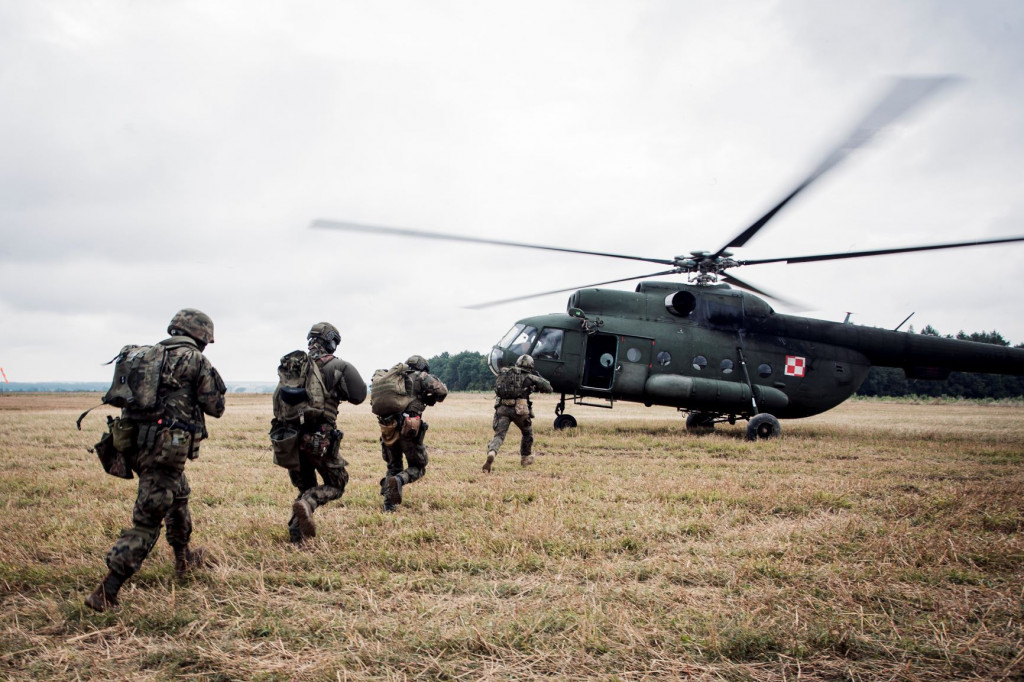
(488, 463)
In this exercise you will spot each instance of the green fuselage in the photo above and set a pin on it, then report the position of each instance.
(724, 351)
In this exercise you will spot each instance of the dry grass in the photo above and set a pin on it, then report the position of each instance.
(878, 541)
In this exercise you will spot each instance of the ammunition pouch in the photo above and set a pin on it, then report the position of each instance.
(522, 406)
(172, 447)
(411, 424)
(114, 461)
(389, 432)
(124, 432)
(285, 442)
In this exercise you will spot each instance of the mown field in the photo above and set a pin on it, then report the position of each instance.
(877, 541)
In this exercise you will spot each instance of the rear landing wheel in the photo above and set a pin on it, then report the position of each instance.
(700, 422)
(565, 421)
(763, 426)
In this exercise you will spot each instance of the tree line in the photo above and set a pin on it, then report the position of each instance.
(468, 371)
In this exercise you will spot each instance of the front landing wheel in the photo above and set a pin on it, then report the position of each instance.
(763, 426)
(565, 421)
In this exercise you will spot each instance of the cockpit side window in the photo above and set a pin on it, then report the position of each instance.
(549, 345)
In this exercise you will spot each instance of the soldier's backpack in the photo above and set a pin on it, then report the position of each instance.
(136, 379)
(300, 392)
(388, 392)
(509, 383)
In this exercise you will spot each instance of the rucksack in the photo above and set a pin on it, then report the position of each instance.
(388, 393)
(300, 392)
(509, 383)
(136, 377)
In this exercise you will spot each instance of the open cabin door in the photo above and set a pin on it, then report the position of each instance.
(599, 361)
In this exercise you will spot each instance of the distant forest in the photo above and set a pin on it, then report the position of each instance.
(467, 371)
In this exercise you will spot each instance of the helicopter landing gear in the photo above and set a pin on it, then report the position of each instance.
(563, 421)
(763, 427)
(700, 422)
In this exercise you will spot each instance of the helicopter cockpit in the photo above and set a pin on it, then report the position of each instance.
(523, 338)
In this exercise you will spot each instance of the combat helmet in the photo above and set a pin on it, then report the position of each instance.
(525, 361)
(193, 323)
(327, 334)
(418, 362)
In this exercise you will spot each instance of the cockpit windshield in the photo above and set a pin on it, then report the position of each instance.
(510, 336)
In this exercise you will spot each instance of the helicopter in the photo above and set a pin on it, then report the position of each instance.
(713, 347)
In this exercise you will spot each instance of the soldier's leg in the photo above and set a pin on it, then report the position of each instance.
(500, 425)
(332, 469)
(390, 485)
(525, 424)
(179, 531)
(154, 501)
(303, 478)
(416, 455)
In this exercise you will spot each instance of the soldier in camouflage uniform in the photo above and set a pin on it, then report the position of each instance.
(320, 439)
(167, 435)
(512, 405)
(403, 433)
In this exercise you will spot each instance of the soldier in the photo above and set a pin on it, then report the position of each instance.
(403, 433)
(320, 439)
(166, 436)
(512, 404)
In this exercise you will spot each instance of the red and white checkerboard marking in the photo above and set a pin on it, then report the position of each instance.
(795, 366)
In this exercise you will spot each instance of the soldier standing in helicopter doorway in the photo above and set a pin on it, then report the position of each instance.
(403, 433)
(512, 405)
(158, 441)
(320, 439)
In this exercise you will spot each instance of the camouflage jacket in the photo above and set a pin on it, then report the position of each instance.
(190, 387)
(514, 382)
(342, 382)
(426, 389)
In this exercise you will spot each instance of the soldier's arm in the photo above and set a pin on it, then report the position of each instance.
(355, 384)
(434, 388)
(542, 384)
(210, 390)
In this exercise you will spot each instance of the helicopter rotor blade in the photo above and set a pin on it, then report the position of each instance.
(489, 304)
(877, 252)
(736, 282)
(421, 234)
(902, 96)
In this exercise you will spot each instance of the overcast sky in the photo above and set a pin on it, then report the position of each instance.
(160, 155)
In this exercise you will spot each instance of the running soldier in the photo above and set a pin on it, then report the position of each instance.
(320, 438)
(403, 432)
(512, 405)
(164, 438)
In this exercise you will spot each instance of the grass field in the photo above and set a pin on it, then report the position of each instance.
(877, 541)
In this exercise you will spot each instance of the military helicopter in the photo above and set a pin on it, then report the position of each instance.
(712, 350)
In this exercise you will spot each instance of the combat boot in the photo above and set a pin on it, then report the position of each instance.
(526, 460)
(304, 515)
(394, 486)
(105, 595)
(490, 460)
(187, 560)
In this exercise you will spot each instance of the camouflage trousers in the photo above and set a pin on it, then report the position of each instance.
(162, 499)
(331, 467)
(414, 452)
(504, 416)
